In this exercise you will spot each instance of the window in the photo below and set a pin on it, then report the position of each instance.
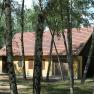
(30, 64)
(43, 64)
(63, 59)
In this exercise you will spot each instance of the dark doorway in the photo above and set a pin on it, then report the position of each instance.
(64, 66)
(4, 65)
(90, 72)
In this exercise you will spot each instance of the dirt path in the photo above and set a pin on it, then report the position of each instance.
(5, 87)
(4, 84)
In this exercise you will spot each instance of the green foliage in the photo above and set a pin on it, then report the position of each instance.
(30, 20)
(2, 22)
(78, 12)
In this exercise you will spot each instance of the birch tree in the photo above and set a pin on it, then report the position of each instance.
(9, 54)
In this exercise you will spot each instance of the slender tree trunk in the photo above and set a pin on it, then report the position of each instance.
(70, 60)
(22, 41)
(12, 78)
(50, 57)
(88, 59)
(69, 39)
(53, 42)
(38, 55)
(63, 35)
(68, 47)
(59, 61)
(57, 55)
(52, 34)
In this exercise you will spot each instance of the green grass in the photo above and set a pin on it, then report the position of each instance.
(51, 87)
(57, 87)
(63, 88)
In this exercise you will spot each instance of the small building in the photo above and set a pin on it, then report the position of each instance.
(80, 40)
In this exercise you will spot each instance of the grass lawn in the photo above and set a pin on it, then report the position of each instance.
(51, 87)
(56, 87)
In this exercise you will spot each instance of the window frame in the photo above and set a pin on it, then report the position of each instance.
(30, 64)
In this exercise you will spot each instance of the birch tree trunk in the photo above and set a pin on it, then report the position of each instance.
(22, 41)
(9, 54)
(69, 39)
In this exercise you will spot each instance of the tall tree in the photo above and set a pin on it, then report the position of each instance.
(63, 15)
(9, 54)
(22, 40)
(38, 50)
(38, 55)
(69, 40)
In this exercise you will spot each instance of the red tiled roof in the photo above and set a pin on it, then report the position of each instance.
(79, 39)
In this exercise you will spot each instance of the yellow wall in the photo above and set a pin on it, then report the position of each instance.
(29, 72)
(77, 66)
(0, 65)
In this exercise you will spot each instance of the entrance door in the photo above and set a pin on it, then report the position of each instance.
(4, 65)
(64, 67)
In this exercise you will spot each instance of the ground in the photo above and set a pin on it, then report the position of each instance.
(51, 87)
